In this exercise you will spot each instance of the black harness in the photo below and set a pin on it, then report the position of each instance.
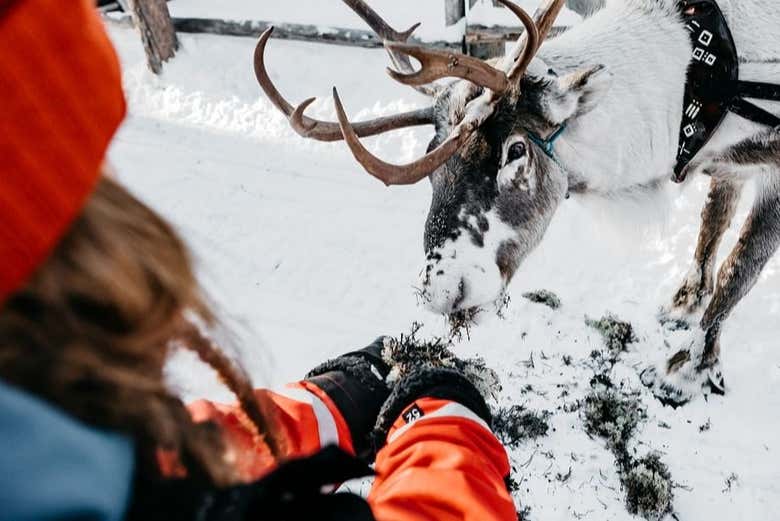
(713, 88)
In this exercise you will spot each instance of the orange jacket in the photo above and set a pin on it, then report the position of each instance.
(441, 461)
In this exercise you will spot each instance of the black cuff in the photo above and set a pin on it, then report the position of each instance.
(371, 354)
(355, 383)
(437, 382)
(293, 491)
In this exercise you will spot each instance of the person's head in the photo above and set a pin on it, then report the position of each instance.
(95, 287)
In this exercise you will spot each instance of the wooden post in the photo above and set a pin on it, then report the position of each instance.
(485, 46)
(481, 45)
(454, 11)
(153, 21)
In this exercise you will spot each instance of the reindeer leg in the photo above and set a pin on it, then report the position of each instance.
(716, 218)
(697, 365)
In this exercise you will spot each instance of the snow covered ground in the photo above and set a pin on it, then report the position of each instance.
(308, 257)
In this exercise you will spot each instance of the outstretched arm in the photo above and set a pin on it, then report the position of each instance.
(441, 460)
(336, 404)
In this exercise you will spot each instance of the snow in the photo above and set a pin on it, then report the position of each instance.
(308, 257)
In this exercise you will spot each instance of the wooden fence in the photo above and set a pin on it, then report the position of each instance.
(481, 41)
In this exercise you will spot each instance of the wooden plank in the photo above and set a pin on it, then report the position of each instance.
(507, 33)
(485, 48)
(253, 29)
(476, 34)
(153, 21)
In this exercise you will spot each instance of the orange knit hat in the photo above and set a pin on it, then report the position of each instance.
(61, 102)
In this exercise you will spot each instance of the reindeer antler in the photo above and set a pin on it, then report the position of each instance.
(546, 14)
(325, 130)
(389, 35)
(517, 62)
(391, 174)
(435, 65)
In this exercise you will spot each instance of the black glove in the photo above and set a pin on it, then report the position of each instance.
(431, 382)
(432, 371)
(356, 384)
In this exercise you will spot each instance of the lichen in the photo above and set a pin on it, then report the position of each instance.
(613, 417)
(543, 296)
(647, 481)
(649, 488)
(515, 425)
(461, 323)
(617, 334)
(408, 353)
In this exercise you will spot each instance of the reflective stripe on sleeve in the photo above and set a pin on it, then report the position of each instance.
(450, 409)
(326, 425)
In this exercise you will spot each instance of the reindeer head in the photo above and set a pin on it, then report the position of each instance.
(493, 200)
(495, 182)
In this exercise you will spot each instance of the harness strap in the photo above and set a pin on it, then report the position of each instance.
(755, 90)
(713, 87)
(547, 144)
(758, 90)
(742, 107)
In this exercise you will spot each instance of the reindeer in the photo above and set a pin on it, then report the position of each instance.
(597, 110)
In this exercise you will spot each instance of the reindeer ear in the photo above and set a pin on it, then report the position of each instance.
(576, 93)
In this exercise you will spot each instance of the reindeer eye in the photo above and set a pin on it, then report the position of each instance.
(516, 151)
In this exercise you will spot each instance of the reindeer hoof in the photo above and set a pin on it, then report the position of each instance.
(671, 396)
(649, 377)
(666, 393)
(680, 379)
(715, 380)
(670, 322)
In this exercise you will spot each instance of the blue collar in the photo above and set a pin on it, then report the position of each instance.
(548, 144)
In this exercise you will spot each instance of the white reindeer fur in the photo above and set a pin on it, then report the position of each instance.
(625, 146)
(630, 139)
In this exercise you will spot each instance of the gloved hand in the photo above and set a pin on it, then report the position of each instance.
(374, 386)
(356, 384)
(431, 371)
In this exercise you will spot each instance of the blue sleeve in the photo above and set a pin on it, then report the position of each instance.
(53, 468)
